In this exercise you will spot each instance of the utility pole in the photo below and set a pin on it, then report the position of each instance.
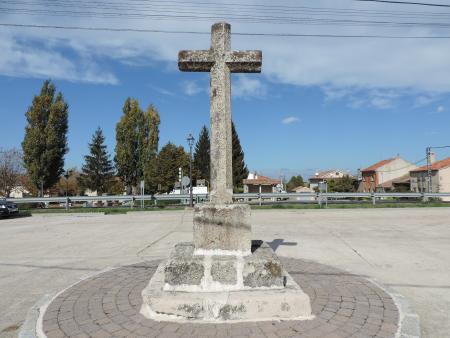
(190, 140)
(428, 150)
(430, 165)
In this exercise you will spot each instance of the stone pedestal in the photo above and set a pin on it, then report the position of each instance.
(215, 288)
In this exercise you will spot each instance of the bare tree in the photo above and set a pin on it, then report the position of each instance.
(11, 170)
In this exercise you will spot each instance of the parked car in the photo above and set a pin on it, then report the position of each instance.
(7, 208)
(4, 211)
(12, 207)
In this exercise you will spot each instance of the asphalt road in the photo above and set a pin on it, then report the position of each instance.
(406, 249)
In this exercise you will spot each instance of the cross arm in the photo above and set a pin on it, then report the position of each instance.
(248, 61)
(195, 60)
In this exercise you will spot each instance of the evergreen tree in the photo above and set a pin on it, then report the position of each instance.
(137, 137)
(45, 142)
(202, 159)
(97, 171)
(294, 182)
(240, 170)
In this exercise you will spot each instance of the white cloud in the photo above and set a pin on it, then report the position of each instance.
(23, 59)
(399, 65)
(440, 109)
(191, 88)
(246, 87)
(290, 120)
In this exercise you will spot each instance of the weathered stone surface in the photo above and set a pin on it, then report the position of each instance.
(222, 227)
(263, 269)
(220, 61)
(223, 269)
(182, 268)
(287, 303)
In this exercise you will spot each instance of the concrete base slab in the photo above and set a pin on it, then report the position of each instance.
(289, 303)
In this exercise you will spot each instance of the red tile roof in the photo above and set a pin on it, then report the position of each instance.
(435, 166)
(378, 165)
(263, 180)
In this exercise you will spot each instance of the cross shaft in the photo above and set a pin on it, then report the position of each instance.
(220, 61)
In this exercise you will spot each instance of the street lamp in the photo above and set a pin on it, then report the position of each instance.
(67, 175)
(190, 140)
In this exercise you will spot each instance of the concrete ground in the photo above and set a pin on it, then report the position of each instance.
(406, 249)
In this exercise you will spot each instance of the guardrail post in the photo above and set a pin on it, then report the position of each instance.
(260, 197)
(374, 202)
(67, 203)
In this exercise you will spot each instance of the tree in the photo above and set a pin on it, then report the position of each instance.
(45, 142)
(71, 185)
(344, 184)
(137, 137)
(11, 170)
(150, 163)
(97, 170)
(165, 168)
(202, 155)
(294, 182)
(240, 170)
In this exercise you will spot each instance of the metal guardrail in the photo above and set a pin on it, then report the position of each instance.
(241, 196)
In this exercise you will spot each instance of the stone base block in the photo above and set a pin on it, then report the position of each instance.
(288, 303)
(187, 271)
(222, 227)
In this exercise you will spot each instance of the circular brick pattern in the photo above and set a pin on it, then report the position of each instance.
(108, 304)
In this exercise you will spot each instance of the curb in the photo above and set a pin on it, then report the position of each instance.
(32, 326)
(409, 321)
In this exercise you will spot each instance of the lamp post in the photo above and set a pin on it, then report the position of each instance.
(190, 140)
(67, 175)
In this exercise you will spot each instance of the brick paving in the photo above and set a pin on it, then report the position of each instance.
(108, 305)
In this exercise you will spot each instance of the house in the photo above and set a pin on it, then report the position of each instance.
(381, 175)
(324, 176)
(440, 178)
(19, 192)
(256, 183)
(304, 190)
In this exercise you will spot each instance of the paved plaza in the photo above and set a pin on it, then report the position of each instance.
(405, 249)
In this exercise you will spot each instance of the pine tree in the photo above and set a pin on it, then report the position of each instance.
(97, 171)
(45, 142)
(202, 159)
(240, 170)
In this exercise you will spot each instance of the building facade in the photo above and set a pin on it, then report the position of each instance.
(256, 183)
(380, 176)
(440, 178)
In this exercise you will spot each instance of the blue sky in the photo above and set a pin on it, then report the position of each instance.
(319, 103)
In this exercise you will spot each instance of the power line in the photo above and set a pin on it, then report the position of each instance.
(407, 3)
(235, 17)
(137, 30)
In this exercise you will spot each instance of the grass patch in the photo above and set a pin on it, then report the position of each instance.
(106, 211)
(354, 206)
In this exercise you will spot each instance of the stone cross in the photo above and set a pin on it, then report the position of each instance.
(220, 60)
